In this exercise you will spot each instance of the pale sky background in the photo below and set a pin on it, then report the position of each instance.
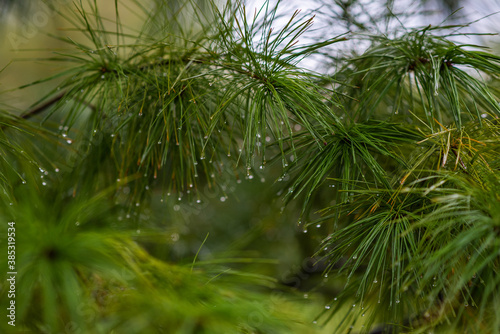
(408, 11)
(21, 72)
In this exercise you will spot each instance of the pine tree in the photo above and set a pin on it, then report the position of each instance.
(386, 163)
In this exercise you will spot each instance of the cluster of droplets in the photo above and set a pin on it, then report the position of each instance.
(43, 174)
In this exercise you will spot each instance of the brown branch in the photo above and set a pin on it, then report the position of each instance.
(51, 102)
(42, 107)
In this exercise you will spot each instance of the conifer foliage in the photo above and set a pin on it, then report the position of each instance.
(393, 153)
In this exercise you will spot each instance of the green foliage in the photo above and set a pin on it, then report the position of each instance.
(393, 155)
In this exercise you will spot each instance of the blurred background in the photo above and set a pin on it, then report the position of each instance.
(29, 27)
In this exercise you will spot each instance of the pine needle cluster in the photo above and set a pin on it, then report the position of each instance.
(393, 153)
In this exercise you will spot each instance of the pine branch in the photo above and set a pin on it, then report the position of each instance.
(35, 111)
(54, 100)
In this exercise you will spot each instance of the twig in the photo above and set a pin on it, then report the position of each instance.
(51, 102)
(42, 107)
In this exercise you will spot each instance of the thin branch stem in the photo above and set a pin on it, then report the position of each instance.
(49, 103)
(42, 107)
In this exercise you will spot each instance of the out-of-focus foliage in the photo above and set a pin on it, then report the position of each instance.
(155, 187)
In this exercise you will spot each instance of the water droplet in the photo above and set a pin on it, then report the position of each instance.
(69, 141)
(223, 199)
(315, 322)
(146, 187)
(77, 223)
(138, 231)
(137, 204)
(335, 298)
(127, 216)
(354, 257)
(318, 225)
(466, 304)
(198, 201)
(397, 301)
(44, 183)
(305, 230)
(56, 170)
(306, 295)
(327, 307)
(375, 281)
(23, 181)
(159, 142)
(325, 275)
(102, 76)
(353, 305)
